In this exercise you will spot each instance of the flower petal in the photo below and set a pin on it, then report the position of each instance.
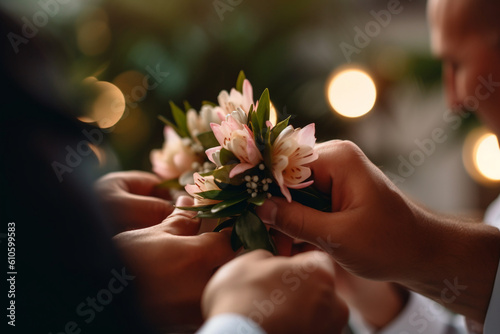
(247, 95)
(301, 185)
(210, 152)
(240, 168)
(306, 136)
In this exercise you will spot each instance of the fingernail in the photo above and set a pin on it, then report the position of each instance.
(267, 212)
(184, 201)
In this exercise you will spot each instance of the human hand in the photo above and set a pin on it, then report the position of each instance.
(172, 266)
(282, 295)
(132, 199)
(378, 303)
(371, 231)
(376, 232)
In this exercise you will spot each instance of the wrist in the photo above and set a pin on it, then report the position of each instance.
(458, 266)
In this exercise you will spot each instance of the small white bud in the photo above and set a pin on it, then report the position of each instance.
(262, 167)
(265, 187)
(254, 185)
(255, 178)
(195, 166)
(248, 178)
(254, 195)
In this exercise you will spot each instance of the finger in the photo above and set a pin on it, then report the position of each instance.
(135, 182)
(341, 170)
(143, 183)
(256, 255)
(216, 248)
(282, 242)
(302, 247)
(315, 260)
(181, 222)
(141, 211)
(299, 221)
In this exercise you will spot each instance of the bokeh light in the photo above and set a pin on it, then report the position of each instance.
(481, 156)
(351, 92)
(105, 105)
(273, 114)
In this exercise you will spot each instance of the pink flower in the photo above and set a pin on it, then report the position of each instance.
(175, 158)
(202, 184)
(229, 102)
(291, 151)
(237, 138)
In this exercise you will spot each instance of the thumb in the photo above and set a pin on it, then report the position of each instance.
(297, 220)
(316, 259)
(181, 222)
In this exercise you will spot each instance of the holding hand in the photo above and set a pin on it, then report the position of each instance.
(172, 265)
(372, 230)
(282, 295)
(376, 232)
(133, 200)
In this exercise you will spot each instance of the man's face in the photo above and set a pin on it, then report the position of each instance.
(470, 55)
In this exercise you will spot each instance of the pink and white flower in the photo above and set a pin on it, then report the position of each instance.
(229, 102)
(200, 123)
(202, 184)
(175, 158)
(239, 139)
(293, 149)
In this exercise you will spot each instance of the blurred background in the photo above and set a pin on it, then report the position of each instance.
(360, 69)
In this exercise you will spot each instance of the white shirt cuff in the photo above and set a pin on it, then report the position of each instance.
(420, 315)
(492, 321)
(230, 323)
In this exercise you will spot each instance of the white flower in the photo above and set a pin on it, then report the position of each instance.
(200, 123)
(202, 184)
(229, 102)
(291, 151)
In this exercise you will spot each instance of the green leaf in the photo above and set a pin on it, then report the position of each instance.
(235, 241)
(169, 123)
(196, 208)
(227, 157)
(221, 194)
(187, 106)
(254, 125)
(278, 128)
(313, 198)
(258, 200)
(208, 140)
(228, 212)
(228, 203)
(229, 187)
(210, 103)
(253, 233)
(263, 109)
(222, 174)
(180, 119)
(225, 224)
(239, 82)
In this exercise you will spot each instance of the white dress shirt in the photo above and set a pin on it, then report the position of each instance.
(230, 323)
(492, 322)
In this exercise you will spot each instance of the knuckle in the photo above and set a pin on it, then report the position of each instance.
(293, 223)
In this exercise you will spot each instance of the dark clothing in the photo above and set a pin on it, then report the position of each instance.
(69, 277)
